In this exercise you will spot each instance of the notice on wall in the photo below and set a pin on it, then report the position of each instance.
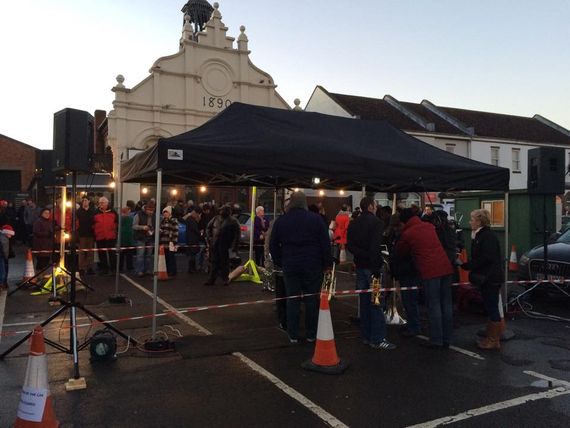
(32, 404)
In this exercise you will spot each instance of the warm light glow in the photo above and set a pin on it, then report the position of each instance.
(321, 193)
(341, 192)
(68, 204)
(296, 189)
(316, 180)
(144, 190)
(112, 184)
(66, 236)
(203, 189)
(174, 192)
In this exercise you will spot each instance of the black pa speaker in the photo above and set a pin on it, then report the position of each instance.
(72, 140)
(546, 170)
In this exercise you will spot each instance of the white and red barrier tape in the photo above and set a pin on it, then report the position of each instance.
(202, 308)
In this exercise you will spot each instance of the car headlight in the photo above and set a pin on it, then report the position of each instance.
(523, 261)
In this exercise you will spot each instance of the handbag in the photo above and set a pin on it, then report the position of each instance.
(477, 279)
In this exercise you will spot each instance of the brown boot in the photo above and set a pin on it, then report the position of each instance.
(503, 327)
(493, 339)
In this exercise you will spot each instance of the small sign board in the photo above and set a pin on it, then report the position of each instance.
(175, 154)
(32, 404)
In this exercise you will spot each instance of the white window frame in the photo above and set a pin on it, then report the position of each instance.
(495, 160)
(516, 153)
(497, 209)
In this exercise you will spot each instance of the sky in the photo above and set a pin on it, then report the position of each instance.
(502, 56)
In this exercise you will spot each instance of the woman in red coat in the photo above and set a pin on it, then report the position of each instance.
(341, 220)
(420, 240)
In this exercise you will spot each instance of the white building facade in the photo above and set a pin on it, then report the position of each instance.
(491, 138)
(208, 73)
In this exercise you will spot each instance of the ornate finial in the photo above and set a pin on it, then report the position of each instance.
(120, 79)
(242, 37)
(216, 5)
(199, 11)
(297, 103)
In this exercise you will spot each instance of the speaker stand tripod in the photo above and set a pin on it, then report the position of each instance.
(72, 305)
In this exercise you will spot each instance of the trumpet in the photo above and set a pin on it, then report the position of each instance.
(329, 282)
(376, 291)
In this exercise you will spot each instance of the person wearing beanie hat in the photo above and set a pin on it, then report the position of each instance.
(6, 232)
(299, 244)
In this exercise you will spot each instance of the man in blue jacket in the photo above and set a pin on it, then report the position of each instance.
(300, 245)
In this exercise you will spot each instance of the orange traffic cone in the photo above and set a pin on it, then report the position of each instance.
(36, 406)
(162, 275)
(463, 274)
(513, 263)
(29, 272)
(325, 359)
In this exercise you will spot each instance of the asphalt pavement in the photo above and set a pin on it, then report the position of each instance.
(234, 367)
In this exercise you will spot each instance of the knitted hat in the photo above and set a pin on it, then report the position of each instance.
(168, 208)
(298, 200)
(8, 230)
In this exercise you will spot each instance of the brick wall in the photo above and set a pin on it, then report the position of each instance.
(18, 156)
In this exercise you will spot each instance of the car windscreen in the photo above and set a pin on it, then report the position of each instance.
(564, 238)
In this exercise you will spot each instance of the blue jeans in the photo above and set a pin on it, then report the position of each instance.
(372, 319)
(144, 262)
(199, 258)
(440, 309)
(3, 270)
(410, 301)
(307, 281)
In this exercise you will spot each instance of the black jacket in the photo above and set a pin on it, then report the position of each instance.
(486, 257)
(193, 236)
(448, 240)
(85, 218)
(364, 241)
(299, 241)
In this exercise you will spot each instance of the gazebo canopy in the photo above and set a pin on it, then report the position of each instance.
(247, 145)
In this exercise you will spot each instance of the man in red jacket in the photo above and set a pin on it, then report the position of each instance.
(420, 240)
(105, 223)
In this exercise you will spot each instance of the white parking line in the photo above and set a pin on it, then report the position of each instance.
(171, 308)
(555, 382)
(551, 393)
(460, 350)
(317, 410)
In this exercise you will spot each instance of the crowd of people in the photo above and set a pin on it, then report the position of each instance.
(419, 249)
(97, 228)
(420, 252)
